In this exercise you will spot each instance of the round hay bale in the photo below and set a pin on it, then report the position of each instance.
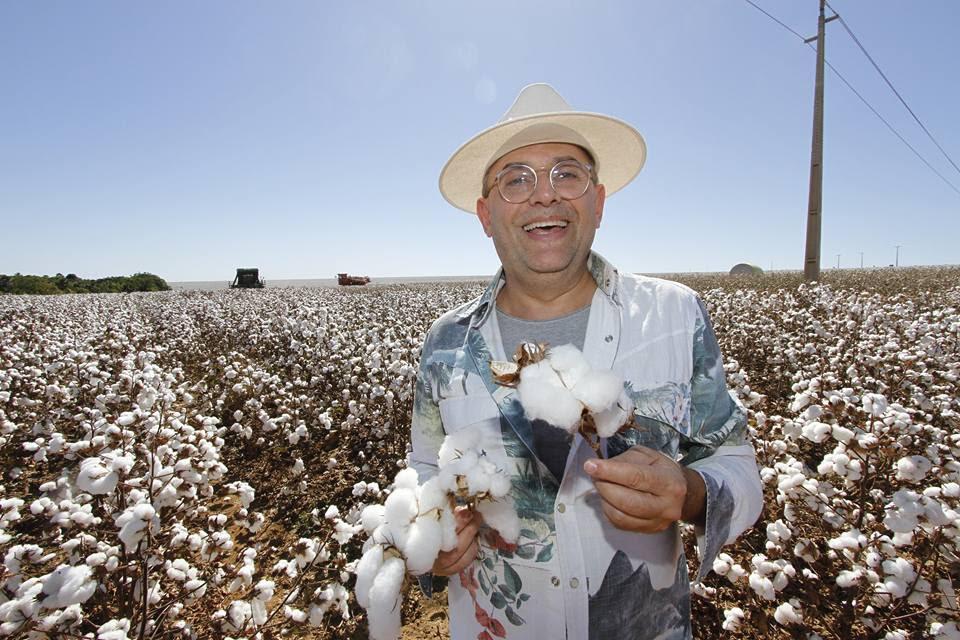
(744, 269)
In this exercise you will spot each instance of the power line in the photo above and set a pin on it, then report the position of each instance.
(894, 131)
(760, 9)
(897, 93)
(864, 100)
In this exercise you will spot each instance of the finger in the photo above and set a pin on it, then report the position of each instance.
(470, 528)
(457, 562)
(637, 504)
(628, 522)
(635, 475)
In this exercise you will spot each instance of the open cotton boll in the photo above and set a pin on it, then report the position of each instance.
(502, 516)
(423, 544)
(448, 527)
(372, 517)
(499, 485)
(406, 479)
(400, 507)
(68, 585)
(542, 400)
(569, 362)
(383, 614)
(454, 444)
(598, 390)
(96, 478)
(478, 480)
(367, 568)
(609, 421)
(432, 496)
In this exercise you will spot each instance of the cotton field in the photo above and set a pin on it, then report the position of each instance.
(195, 464)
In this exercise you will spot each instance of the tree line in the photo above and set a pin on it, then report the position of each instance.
(71, 283)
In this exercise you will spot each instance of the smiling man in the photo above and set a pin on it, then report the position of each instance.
(599, 553)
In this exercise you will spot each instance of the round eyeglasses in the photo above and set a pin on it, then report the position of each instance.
(517, 182)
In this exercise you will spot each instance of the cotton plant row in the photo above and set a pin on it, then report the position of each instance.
(143, 436)
(417, 521)
(853, 405)
(240, 437)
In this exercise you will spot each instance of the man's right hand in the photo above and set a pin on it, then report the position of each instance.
(452, 562)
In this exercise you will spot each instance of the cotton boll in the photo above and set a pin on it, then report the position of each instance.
(478, 481)
(842, 434)
(609, 421)
(913, 468)
(763, 586)
(96, 478)
(448, 527)
(68, 585)
(543, 400)
(816, 431)
(400, 507)
(383, 614)
(502, 516)
(788, 613)
(423, 544)
(114, 630)
(499, 485)
(599, 390)
(569, 362)
(367, 568)
(406, 479)
(432, 496)
(732, 618)
(454, 444)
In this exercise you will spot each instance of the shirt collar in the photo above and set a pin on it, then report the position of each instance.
(604, 274)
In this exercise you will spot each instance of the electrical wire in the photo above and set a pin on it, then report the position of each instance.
(892, 88)
(864, 100)
(889, 126)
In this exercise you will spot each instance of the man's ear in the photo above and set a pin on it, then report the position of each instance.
(484, 214)
(601, 198)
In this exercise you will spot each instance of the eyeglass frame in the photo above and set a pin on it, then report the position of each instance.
(536, 177)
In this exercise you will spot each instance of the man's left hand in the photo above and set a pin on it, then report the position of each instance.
(644, 490)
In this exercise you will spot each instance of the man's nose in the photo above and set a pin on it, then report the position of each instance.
(544, 193)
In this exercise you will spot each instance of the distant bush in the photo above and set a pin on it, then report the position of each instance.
(70, 283)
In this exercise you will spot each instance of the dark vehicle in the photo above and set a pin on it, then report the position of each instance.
(247, 279)
(346, 279)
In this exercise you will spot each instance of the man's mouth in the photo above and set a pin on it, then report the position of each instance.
(546, 225)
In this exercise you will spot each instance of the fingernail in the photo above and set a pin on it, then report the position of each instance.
(590, 467)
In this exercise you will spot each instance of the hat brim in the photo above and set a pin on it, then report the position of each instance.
(618, 149)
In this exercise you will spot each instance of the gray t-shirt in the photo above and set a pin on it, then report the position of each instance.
(552, 444)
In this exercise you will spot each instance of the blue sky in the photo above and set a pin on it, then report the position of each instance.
(306, 138)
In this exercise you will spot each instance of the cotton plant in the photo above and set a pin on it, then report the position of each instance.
(558, 385)
(416, 522)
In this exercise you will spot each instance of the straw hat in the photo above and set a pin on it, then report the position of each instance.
(540, 114)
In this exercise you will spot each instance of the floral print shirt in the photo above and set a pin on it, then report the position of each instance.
(572, 574)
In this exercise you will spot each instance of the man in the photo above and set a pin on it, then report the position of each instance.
(599, 554)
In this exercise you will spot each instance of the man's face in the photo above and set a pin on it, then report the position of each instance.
(546, 234)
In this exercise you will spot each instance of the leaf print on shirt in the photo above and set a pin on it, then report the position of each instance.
(628, 607)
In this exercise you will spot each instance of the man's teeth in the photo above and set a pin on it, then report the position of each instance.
(545, 224)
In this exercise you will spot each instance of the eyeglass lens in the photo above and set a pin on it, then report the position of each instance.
(569, 180)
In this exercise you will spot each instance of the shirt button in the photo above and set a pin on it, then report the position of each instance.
(608, 339)
(574, 583)
(561, 507)
(555, 581)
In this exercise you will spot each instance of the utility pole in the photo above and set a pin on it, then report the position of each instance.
(811, 263)
(897, 262)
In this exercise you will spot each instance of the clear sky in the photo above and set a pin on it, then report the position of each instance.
(306, 138)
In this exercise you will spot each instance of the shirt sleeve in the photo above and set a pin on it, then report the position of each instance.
(718, 449)
(426, 435)
(426, 428)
